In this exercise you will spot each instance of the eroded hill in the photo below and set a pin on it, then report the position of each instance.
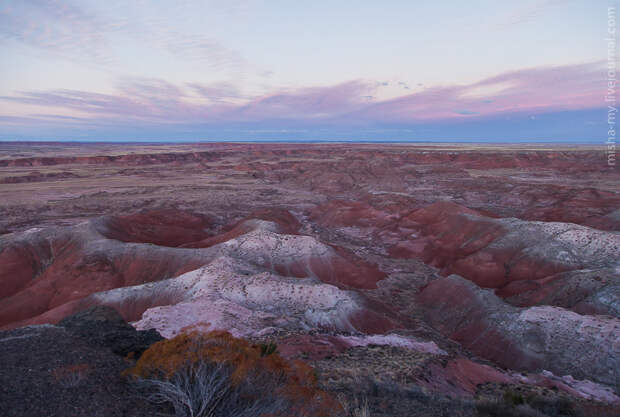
(457, 270)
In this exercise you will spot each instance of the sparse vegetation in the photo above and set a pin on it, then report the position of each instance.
(515, 404)
(513, 398)
(71, 376)
(267, 349)
(215, 374)
(204, 389)
(355, 408)
(368, 396)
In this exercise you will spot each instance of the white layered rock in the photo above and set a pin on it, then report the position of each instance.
(226, 295)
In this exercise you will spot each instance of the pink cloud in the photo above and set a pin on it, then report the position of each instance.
(531, 90)
(307, 103)
(538, 89)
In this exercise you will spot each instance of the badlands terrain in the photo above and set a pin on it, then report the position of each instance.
(426, 280)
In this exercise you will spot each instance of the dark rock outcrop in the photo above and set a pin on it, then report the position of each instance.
(103, 326)
(73, 368)
(49, 370)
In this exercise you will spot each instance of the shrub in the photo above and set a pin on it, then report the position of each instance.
(354, 408)
(513, 398)
(204, 389)
(555, 406)
(71, 376)
(514, 405)
(503, 409)
(267, 349)
(215, 374)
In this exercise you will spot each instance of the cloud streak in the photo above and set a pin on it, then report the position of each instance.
(534, 90)
(217, 92)
(56, 26)
(527, 12)
(158, 102)
(64, 28)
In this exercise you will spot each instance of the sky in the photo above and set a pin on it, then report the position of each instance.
(190, 70)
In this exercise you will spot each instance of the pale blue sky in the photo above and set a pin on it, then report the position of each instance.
(87, 69)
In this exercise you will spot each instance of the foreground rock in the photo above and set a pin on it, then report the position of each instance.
(71, 370)
(103, 326)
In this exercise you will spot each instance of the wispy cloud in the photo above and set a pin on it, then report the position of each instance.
(207, 51)
(536, 90)
(56, 26)
(525, 12)
(307, 103)
(81, 102)
(152, 91)
(70, 31)
(217, 92)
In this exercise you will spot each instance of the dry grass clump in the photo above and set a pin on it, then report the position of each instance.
(517, 405)
(356, 407)
(215, 374)
(71, 376)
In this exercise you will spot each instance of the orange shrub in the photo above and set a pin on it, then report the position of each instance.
(294, 380)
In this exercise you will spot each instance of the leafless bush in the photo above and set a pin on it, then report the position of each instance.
(213, 374)
(205, 389)
(354, 408)
(403, 400)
